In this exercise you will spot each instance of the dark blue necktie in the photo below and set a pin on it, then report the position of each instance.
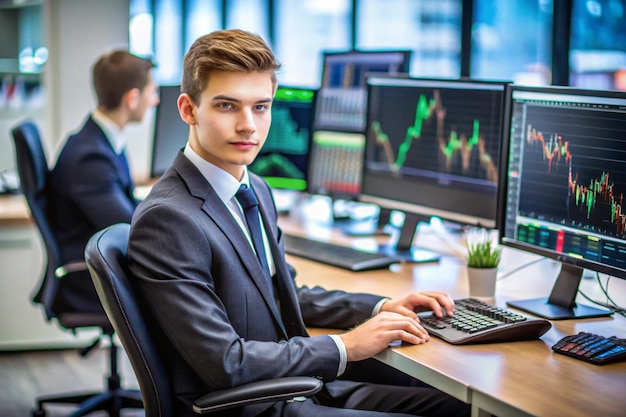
(128, 180)
(250, 206)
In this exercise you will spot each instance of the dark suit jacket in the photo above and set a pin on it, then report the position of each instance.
(205, 288)
(89, 188)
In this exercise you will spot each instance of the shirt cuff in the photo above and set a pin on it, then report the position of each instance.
(378, 306)
(343, 354)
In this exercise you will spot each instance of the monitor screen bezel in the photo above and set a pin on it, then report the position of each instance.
(357, 57)
(311, 189)
(275, 182)
(504, 178)
(157, 134)
(365, 56)
(421, 209)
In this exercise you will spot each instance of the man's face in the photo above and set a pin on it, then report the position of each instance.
(232, 120)
(148, 98)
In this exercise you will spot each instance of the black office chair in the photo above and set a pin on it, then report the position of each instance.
(144, 343)
(33, 171)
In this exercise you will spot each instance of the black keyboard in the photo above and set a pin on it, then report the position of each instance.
(475, 321)
(592, 348)
(336, 255)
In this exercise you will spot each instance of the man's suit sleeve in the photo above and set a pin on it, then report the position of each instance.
(335, 309)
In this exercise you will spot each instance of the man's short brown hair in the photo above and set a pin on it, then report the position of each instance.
(116, 73)
(232, 50)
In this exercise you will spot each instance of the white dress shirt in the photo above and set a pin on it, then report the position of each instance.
(113, 133)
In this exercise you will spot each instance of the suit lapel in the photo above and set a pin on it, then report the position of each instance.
(222, 217)
(215, 209)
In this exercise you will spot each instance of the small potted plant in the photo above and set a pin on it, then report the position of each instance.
(483, 257)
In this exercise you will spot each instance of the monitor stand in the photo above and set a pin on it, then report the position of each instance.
(349, 220)
(404, 248)
(341, 208)
(561, 304)
(366, 227)
(285, 199)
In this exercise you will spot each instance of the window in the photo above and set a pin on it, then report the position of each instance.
(252, 15)
(430, 28)
(201, 17)
(511, 40)
(166, 20)
(303, 30)
(597, 48)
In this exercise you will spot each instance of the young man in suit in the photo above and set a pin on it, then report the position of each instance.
(90, 186)
(227, 301)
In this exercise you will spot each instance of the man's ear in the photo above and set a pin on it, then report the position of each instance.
(131, 98)
(186, 109)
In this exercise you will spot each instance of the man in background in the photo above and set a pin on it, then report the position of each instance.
(90, 185)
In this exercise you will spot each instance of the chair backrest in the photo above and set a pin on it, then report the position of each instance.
(32, 168)
(105, 255)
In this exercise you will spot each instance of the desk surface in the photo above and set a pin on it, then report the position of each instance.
(520, 378)
(14, 210)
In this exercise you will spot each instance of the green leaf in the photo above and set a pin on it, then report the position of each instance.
(482, 250)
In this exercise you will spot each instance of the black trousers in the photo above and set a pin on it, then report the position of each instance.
(372, 389)
(362, 399)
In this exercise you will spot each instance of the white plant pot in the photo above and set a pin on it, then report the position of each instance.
(482, 282)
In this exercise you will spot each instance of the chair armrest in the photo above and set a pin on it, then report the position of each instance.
(271, 390)
(69, 268)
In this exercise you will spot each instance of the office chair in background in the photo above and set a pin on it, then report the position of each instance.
(33, 171)
(144, 343)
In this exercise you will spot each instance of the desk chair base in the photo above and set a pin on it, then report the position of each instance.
(113, 400)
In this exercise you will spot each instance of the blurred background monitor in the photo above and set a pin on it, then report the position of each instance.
(336, 163)
(335, 171)
(342, 96)
(284, 159)
(432, 150)
(170, 132)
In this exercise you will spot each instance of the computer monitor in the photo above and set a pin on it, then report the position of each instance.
(432, 149)
(170, 132)
(562, 187)
(284, 159)
(342, 96)
(335, 171)
(336, 163)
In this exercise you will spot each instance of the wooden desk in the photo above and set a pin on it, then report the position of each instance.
(14, 210)
(505, 379)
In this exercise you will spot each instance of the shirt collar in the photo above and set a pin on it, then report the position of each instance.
(112, 132)
(224, 184)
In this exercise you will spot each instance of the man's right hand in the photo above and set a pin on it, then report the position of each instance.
(378, 332)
